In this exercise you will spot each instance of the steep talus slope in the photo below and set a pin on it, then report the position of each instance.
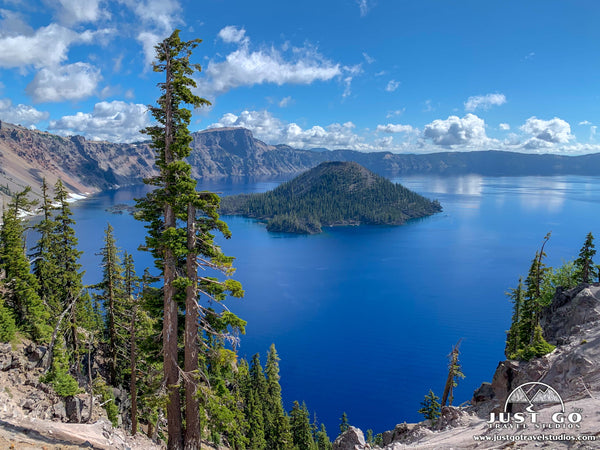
(27, 156)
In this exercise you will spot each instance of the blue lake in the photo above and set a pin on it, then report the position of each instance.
(364, 317)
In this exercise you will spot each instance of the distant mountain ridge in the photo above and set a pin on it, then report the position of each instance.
(88, 166)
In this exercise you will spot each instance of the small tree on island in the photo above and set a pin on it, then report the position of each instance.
(431, 408)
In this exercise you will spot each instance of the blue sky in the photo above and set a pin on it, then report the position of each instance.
(404, 76)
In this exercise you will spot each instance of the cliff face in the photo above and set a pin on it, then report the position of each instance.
(27, 156)
(224, 152)
(87, 166)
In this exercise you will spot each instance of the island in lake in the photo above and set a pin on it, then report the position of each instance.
(331, 194)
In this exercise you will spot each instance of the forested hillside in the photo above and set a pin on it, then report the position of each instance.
(334, 193)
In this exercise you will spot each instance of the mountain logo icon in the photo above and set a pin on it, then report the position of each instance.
(534, 393)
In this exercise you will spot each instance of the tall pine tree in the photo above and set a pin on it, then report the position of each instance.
(180, 226)
(19, 284)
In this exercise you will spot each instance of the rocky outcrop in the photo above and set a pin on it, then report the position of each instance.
(572, 323)
(351, 439)
(32, 416)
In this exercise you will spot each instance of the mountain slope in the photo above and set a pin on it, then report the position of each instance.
(333, 193)
(88, 166)
(27, 156)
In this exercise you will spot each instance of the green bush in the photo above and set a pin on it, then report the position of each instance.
(7, 324)
(108, 399)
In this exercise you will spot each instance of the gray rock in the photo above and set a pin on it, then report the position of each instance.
(399, 434)
(484, 393)
(351, 439)
(59, 410)
(73, 408)
(5, 361)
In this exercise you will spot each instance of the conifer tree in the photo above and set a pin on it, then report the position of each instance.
(512, 337)
(344, 425)
(20, 285)
(277, 428)
(67, 284)
(180, 225)
(430, 407)
(454, 373)
(113, 298)
(585, 268)
(44, 261)
(300, 427)
(323, 442)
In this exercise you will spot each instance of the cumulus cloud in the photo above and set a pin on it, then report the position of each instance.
(484, 101)
(244, 67)
(274, 131)
(392, 85)
(115, 121)
(78, 11)
(585, 122)
(20, 114)
(468, 132)
(232, 34)
(504, 126)
(48, 46)
(70, 82)
(546, 133)
(395, 128)
(13, 24)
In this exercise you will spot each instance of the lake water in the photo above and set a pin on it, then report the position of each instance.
(364, 317)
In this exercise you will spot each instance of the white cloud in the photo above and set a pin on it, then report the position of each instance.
(593, 130)
(21, 114)
(395, 128)
(504, 126)
(78, 11)
(368, 59)
(48, 46)
(364, 7)
(70, 82)
(546, 133)
(272, 130)
(233, 34)
(286, 101)
(158, 19)
(115, 121)
(394, 113)
(246, 68)
(585, 122)
(13, 24)
(468, 132)
(392, 85)
(484, 101)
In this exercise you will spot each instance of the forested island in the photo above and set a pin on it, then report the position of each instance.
(332, 194)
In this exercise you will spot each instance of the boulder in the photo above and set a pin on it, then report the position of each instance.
(351, 439)
(73, 408)
(401, 433)
(483, 393)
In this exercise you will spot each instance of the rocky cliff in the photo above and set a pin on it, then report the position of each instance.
(87, 166)
(571, 371)
(27, 156)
